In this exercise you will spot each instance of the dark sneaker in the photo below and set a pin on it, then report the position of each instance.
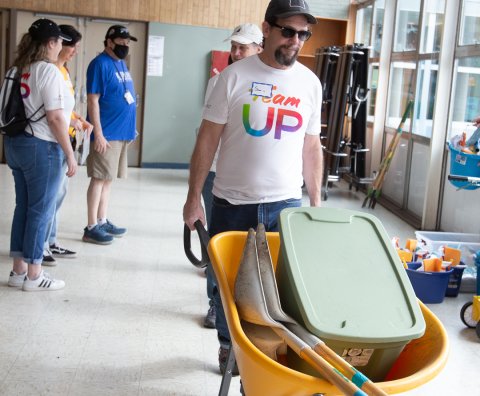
(222, 361)
(209, 321)
(113, 230)
(97, 235)
(60, 252)
(48, 260)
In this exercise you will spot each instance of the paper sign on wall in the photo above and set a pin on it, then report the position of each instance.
(155, 56)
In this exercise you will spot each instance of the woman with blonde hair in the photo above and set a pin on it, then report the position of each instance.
(35, 156)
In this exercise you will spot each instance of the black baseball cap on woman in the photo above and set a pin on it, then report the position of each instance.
(287, 8)
(44, 29)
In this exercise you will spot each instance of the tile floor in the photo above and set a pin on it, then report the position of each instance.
(129, 320)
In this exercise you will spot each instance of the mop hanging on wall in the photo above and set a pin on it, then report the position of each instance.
(376, 189)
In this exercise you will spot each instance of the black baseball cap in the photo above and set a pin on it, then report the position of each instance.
(44, 29)
(119, 31)
(287, 8)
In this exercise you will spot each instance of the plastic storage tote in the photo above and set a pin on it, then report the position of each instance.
(433, 241)
(339, 275)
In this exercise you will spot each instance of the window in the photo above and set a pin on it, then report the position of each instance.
(373, 81)
(425, 97)
(363, 25)
(401, 91)
(466, 94)
(470, 23)
(406, 27)
(432, 26)
(378, 12)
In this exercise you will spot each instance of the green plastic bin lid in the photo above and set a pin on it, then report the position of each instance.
(341, 277)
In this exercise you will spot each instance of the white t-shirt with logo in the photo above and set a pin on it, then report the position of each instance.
(266, 112)
(44, 84)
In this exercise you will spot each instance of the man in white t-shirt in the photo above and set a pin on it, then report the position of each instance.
(246, 40)
(266, 110)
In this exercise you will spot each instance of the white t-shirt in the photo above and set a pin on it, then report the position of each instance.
(266, 112)
(208, 91)
(44, 84)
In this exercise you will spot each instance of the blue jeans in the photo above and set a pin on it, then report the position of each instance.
(228, 217)
(207, 195)
(37, 169)
(51, 235)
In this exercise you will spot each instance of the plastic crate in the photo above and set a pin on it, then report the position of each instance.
(433, 241)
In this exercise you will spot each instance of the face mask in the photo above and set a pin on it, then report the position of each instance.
(121, 51)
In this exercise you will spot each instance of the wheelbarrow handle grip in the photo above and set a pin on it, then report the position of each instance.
(202, 234)
(187, 244)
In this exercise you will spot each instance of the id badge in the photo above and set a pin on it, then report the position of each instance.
(128, 97)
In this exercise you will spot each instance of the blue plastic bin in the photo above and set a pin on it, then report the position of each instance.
(429, 287)
(463, 164)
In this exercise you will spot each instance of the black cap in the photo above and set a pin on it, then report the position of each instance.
(44, 29)
(69, 30)
(287, 8)
(119, 31)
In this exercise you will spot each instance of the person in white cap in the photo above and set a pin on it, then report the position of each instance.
(246, 40)
(265, 111)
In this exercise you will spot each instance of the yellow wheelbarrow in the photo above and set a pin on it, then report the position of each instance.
(421, 360)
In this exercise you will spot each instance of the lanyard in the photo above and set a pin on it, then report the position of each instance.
(122, 76)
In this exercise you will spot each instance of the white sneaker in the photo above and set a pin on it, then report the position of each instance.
(44, 282)
(16, 280)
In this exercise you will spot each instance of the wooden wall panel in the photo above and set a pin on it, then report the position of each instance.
(211, 13)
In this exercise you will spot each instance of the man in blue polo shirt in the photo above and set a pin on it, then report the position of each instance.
(112, 111)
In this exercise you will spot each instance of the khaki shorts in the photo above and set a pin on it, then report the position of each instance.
(113, 163)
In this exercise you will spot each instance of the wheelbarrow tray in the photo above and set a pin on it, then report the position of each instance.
(420, 361)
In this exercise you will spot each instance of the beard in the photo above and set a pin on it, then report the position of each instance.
(283, 58)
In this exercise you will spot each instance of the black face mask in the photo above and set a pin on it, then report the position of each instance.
(121, 51)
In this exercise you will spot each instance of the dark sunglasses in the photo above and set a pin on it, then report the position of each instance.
(303, 35)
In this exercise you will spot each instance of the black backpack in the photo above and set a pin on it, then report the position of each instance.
(13, 119)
